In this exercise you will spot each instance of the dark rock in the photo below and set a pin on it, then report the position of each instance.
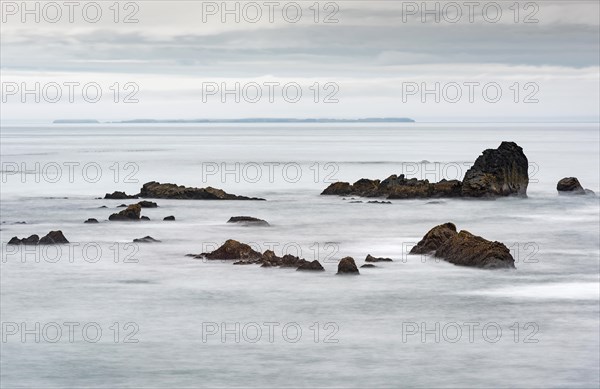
(570, 185)
(247, 220)
(54, 237)
(131, 213)
(232, 249)
(379, 202)
(104, 206)
(498, 172)
(434, 239)
(169, 218)
(14, 240)
(355, 202)
(122, 206)
(146, 239)
(347, 266)
(464, 248)
(116, 195)
(311, 266)
(31, 240)
(145, 218)
(368, 265)
(148, 204)
(371, 258)
(157, 190)
(91, 220)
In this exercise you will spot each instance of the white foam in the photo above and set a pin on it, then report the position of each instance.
(554, 290)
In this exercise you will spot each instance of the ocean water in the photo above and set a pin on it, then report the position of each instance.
(184, 322)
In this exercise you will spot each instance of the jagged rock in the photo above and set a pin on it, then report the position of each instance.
(131, 213)
(371, 258)
(247, 220)
(171, 191)
(434, 239)
(571, 185)
(169, 218)
(347, 266)
(232, 249)
(31, 240)
(311, 266)
(368, 265)
(117, 195)
(498, 172)
(91, 220)
(54, 237)
(464, 249)
(146, 239)
(148, 204)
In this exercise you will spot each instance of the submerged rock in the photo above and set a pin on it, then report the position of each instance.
(117, 195)
(368, 265)
(169, 218)
(347, 266)
(146, 239)
(248, 220)
(571, 185)
(464, 249)
(371, 258)
(54, 237)
(157, 190)
(497, 172)
(131, 213)
(145, 218)
(148, 204)
(91, 220)
(311, 266)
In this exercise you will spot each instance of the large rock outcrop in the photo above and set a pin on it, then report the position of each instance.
(347, 266)
(232, 249)
(156, 190)
(53, 237)
(464, 249)
(117, 195)
(497, 172)
(571, 186)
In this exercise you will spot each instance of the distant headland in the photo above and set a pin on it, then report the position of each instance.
(247, 120)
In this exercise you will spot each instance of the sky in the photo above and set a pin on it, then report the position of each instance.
(479, 61)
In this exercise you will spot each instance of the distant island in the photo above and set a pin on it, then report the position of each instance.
(247, 120)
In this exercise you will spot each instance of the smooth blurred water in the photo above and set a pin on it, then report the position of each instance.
(553, 296)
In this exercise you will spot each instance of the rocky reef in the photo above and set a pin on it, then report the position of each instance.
(464, 249)
(156, 190)
(53, 237)
(496, 173)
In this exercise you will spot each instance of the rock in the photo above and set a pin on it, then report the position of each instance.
(368, 265)
(434, 239)
(571, 185)
(347, 266)
(464, 249)
(103, 206)
(498, 172)
(54, 237)
(145, 218)
(91, 220)
(131, 213)
(122, 206)
(247, 220)
(148, 204)
(371, 258)
(116, 195)
(169, 218)
(31, 240)
(146, 239)
(311, 266)
(171, 191)
(378, 202)
(232, 249)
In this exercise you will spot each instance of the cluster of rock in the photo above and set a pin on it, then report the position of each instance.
(497, 172)
(53, 237)
(243, 254)
(571, 185)
(464, 249)
(133, 213)
(156, 190)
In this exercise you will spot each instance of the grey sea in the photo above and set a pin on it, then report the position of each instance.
(101, 312)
